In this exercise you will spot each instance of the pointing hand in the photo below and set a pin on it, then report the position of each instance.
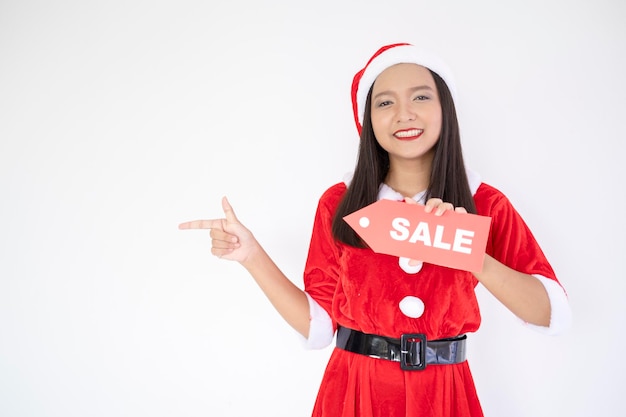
(229, 238)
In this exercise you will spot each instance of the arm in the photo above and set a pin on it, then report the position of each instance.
(233, 241)
(523, 294)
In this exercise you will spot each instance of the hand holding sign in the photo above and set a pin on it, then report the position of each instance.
(437, 204)
(452, 239)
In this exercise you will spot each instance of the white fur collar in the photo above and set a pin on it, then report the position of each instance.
(388, 193)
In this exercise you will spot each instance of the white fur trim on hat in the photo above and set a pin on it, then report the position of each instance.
(392, 55)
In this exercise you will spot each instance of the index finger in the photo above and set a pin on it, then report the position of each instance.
(202, 224)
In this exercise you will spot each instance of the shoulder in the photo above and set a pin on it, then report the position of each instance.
(488, 199)
(333, 195)
(328, 203)
(486, 191)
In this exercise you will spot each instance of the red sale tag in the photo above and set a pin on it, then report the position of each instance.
(455, 240)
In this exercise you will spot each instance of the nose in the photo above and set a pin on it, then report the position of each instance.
(406, 112)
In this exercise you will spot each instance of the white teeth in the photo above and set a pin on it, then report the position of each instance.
(408, 133)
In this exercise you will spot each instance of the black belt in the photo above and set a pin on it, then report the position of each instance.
(413, 351)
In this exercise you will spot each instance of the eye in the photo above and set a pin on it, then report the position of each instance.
(383, 103)
(421, 98)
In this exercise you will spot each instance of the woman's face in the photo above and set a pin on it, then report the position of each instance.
(406, 112)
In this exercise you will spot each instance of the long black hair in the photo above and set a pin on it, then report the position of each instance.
(448, 179)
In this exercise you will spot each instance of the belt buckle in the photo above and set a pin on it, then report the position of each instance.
(413, 351)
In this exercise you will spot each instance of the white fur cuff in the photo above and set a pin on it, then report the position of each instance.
(321, 328)
(561, 313)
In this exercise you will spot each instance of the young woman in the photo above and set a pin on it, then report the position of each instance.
(400, 324)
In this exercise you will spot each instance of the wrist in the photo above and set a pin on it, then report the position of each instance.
(254, 258)
(488, 264)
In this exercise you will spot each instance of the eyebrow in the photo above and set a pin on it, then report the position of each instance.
(412, 89)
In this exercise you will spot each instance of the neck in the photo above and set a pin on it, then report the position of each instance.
(408, 178)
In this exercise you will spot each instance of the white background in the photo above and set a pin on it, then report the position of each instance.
(121, 119)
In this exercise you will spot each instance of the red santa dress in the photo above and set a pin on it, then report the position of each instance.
(362, 290)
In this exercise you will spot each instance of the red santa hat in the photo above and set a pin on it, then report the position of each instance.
(385, 57)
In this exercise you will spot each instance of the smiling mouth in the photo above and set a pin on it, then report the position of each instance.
(409, 134)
